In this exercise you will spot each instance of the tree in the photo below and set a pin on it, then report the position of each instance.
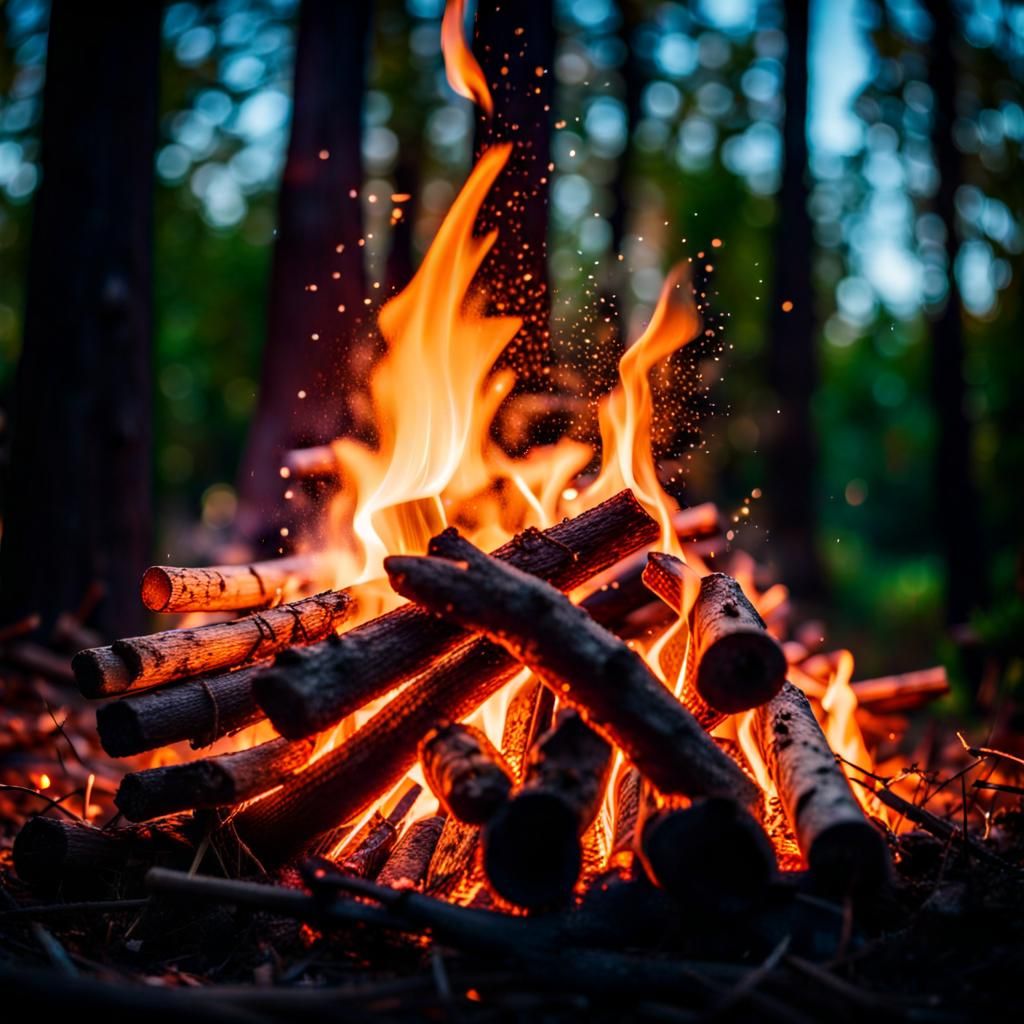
(792, 357)
(313, 358)
(79, 508)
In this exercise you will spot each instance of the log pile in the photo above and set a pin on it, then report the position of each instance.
(625, 780)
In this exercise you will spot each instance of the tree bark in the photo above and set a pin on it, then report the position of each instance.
(319, 229)
(79, 486)
(792, 357)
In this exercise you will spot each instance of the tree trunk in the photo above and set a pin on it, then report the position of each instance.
(315, 319)
(514, 40)
(79, 505)
(793, 359)
(955, 493)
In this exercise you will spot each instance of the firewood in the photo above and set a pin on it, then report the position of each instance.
(464, 771)
(171, 588)
(629, 789)
(407, 866)
(527, 717)
(210, 782)
(343, 783)
(50, 851)
(711, 855)
(844, 851)
(903, 691)
(318, 460)
(588, 667)
(733, 663)
(201, 710)
(532, 850)
(309, 689)
(143, 661)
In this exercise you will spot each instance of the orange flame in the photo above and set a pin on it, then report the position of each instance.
(463, 71)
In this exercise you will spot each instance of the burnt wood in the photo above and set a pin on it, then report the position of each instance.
(407, 866)
(733, 662)
(200, 710)
(142, 661)
(532, 852)
(591, 669)
(309, 689)
(210, 782)
(845, 853)
(464, 771)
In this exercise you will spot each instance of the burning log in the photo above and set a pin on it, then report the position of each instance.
(464, 771)
(367, 851)
(49, 851)
(170, 588)
(532, 850)
(843, 850)
(608, 682)
(143, 661)
(211, 782)
(734, 664)
(409, 862)
(710, 855)
(629, 788)
(902, 692)
(200, 711)
(308, 690)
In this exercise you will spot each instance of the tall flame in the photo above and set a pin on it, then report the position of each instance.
(463, 71)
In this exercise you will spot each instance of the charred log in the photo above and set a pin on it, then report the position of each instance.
(464, 771)
(409, 862)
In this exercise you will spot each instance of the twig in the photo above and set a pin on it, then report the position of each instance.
(51, 802)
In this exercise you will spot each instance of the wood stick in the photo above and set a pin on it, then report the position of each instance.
(343, 783)
(629, 788)
(201, 710)
(733, 663)
(532, 850)
(711, 855)
(143, 661)
(590, 668)
(309, 689)
(409, 862)
(464, 771)
(844, 851)
(171, 588)
(903, 691)
(220, 781)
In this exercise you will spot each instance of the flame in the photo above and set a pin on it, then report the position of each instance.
(463, 71)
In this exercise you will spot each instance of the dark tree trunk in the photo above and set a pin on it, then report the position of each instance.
(513, 39)
(793, 359)
(79, 491)
(312, 345)
(955, 494)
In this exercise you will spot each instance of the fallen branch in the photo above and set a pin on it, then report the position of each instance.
(142, 661)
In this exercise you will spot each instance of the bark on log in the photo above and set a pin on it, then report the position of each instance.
(733, 664)
(343, 783)
(464, 771)
(711, 855)
(309, 689)
(409, 862)
(171, 588)
(845, 853)
(590, 668)
(532, 850)
(210, 782)
(201, 711)
(144, 661)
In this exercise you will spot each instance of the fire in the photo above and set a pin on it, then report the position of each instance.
(464, 74)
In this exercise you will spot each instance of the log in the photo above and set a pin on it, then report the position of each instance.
(589, 668)
(170, 588)
(527, 718)
(629, 789)
(711, 856)
(144, 661)
(201, 711)
(221, 781)
(51, 851)
(343, 783)
(904, 691)
(309, 689)
(846, 855)
(409, 862)
(531, 850)
(733, 663)
(464, 771)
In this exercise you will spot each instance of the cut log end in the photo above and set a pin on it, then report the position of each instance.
(99, 672)
(119, 729)
(156, 588)
(848, 859)
(532, 853)
(741, 670)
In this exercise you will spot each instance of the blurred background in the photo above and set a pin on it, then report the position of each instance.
(846, 178)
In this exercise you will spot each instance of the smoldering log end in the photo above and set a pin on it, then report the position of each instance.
(156, 588)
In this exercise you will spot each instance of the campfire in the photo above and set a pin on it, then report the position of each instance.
(484, 693)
